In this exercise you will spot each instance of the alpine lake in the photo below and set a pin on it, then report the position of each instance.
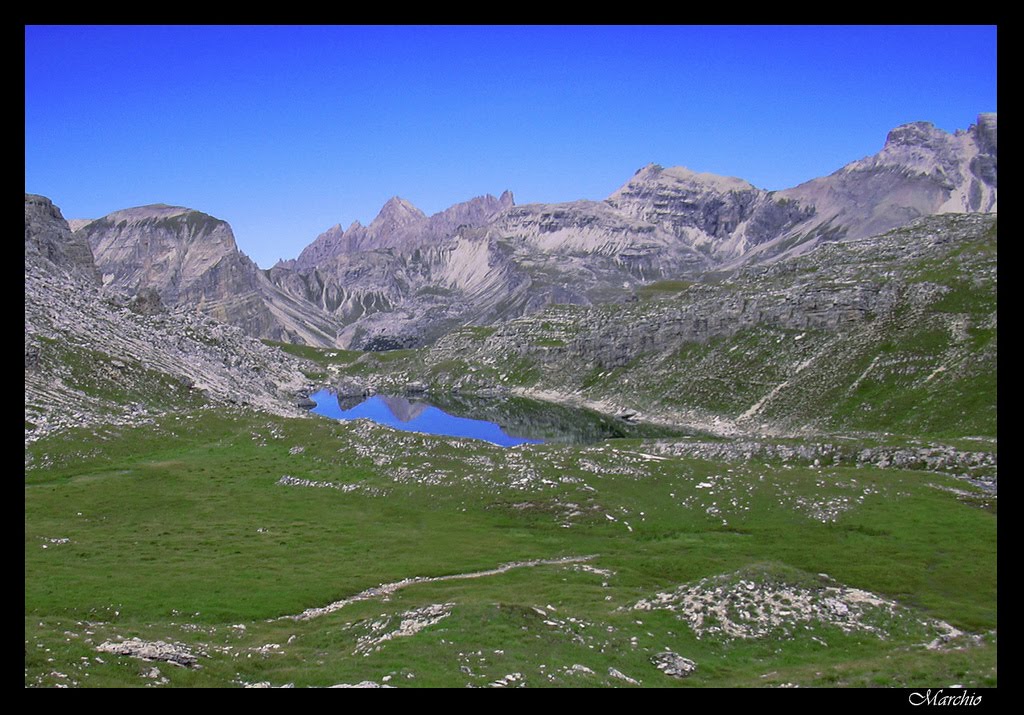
(506, 421)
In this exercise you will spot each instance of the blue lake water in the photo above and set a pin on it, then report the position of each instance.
(415, 416)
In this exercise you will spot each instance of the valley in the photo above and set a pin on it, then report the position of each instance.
(801, 489)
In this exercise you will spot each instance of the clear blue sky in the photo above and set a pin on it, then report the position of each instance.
(285, 131)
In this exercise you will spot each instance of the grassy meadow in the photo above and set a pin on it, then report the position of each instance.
(182, 533)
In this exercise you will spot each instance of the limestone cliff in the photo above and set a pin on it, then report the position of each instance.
(190, 258)
(49, 239)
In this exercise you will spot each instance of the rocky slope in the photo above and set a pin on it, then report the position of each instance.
(920, 171)
(719, 215)
(95, 354)
(893, 333)
(49, 243)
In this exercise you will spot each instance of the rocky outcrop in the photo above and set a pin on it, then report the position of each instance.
(673, 664)
(49, 240)
(722, 215)
(764, 601)
(709, 312)
(174, 653)
(347, 387)
(147, 302)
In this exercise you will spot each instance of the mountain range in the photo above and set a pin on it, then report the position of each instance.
(407, 278)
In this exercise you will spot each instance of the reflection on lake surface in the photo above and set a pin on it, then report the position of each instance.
(505, 421)
(413, 416)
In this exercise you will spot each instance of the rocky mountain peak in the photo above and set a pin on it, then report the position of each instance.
(147, 212)
(401, 226)
(698, 209)
(679, 178)
(40, 204)
(325, 245)
(648, 170)
(395, 213)
(475, 212)
(186, 256)
(915, 134)
(921, 170)
(334, 233)
(173, 224)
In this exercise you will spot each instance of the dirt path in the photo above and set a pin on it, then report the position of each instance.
(387, 589)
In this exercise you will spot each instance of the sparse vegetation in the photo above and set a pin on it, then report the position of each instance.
(662, 288)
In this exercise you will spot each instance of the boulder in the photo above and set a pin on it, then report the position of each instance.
(415, 388)
(147, 302)
(347, 387)
(673, 664)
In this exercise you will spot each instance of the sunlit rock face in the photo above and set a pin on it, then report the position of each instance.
(920, 171)
(188, 257)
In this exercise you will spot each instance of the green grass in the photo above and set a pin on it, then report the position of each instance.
(118, 380)
(964, 297)
(321, 356)
(179, 532)
(662, 288)
(386, 356)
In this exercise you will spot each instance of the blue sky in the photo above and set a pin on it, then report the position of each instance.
(285, 131)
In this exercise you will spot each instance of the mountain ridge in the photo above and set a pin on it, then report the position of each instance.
(406, 278)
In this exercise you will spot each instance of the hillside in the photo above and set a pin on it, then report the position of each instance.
(97, 356)
(887, 334)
